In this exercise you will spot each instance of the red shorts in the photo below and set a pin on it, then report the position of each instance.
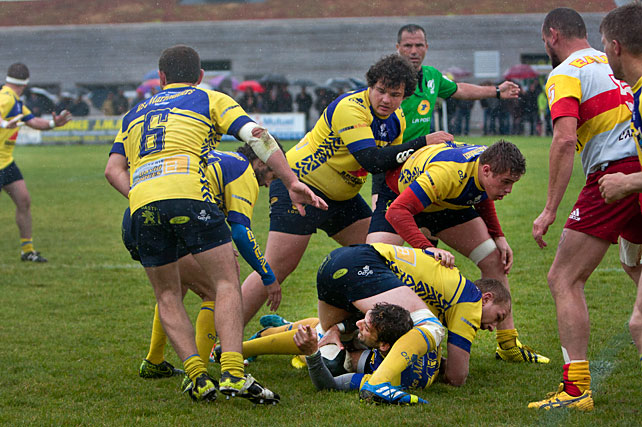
(592, 216)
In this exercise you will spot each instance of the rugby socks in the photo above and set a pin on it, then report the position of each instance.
(26, 246)
(194, 366)
(232, 362)
(156, 352)
(506, 338)
(411, 346)
(205, 330)
(577, 377)
(312, 321)
(281, 343)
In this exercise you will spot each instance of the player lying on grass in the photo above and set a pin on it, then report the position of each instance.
(352, 273)
(235, 179)
(450, 190)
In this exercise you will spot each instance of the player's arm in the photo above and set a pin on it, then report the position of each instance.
(117, 173)
(616, 186)
(560, 159)
(507, 90)
(379, 159)
(456, 367)
(57, 120)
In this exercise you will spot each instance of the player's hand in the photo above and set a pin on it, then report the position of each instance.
(274, 295)
(612, 187)
(301, 195)
(13, 123)
(540, 226)
(508, 90)
(62, 118)
(505, 253)
(443, 256)
(332, 336)
(306, 340)
(438, 137)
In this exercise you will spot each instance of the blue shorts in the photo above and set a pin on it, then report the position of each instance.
(10, 174)
(352, 273)
(165, 229)
(286, 219)
(433, 221)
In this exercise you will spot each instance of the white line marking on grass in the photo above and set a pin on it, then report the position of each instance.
(601, 367)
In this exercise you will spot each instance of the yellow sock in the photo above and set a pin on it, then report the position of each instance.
(26, 245)
(577, 377)
(232, 362)
(312, 321)
(281, 343)
(156, 352)
(205, 331)
(194, 366)
(506, 338)
(412, 345)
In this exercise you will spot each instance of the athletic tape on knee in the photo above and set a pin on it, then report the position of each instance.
(630, 253)
(482, 251)
(425, 321)
(263, 146)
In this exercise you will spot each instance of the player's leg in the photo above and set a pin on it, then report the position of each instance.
(18, 192)
(635, 323)
(278, 341)
(283, 252)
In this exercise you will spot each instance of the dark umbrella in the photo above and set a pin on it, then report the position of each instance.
(304, 82)
(279, 79)
(319, 89)
(358, 84)
(340, 83)
(520, 71)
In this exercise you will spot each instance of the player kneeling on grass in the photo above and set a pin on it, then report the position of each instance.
(235, 179)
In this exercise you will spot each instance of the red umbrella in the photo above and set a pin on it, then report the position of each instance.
(148, 85)
(251, 84)
(520, 71)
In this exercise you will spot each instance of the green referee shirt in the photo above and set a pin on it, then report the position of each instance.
(418, 107)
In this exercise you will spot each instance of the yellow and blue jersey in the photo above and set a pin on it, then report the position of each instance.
(324, 157)
(444, 176)
(167, 137)
(233, 185)
(636, 120)
(10, 107)
(452, 298)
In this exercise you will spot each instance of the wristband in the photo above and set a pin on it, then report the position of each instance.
(52, 124)
(341, 327)
(3, 124)
(499, 92)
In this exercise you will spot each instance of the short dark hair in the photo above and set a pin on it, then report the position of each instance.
(392, 71)
(504, 156)
(622, 24)
(567, 21)
(391, 322)
(250, 155)
(181, 64)
(410, 28)
(501, 295)
(18, 71)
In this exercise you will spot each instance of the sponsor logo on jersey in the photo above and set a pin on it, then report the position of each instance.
(179, 220)
(339, 273)
(424, 107)
(204, 216)
(365, 271)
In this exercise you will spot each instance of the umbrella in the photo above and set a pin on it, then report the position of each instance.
(327, 89)
(148, 85)
(458, 73)
(358, 84)
(223, 81)
(251, 84)
(279, 79)
(304, 82)
(520, 71)
(151, 74)
(43, 92)
(340, 83)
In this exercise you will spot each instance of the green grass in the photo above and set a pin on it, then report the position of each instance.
(73, 331)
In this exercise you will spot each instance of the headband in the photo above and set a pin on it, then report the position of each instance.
(16, 81)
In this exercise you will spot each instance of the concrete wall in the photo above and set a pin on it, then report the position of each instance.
(309, 48)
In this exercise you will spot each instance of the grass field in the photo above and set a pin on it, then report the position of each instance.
(73, 331)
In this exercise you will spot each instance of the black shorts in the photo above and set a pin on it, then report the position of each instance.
(352, 273)
(165, 229)
(10, 174)
(433, 221)
(285, 218)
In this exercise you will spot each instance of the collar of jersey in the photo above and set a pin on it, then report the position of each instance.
(177, 85)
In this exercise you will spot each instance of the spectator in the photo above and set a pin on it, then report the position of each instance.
(108, 105)
(324, 97)
(462, 116)
(79, 107)
(283, 99)
(544, 114)
(304, 103)
(250, 102)
(120, 103)
(530, 107)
